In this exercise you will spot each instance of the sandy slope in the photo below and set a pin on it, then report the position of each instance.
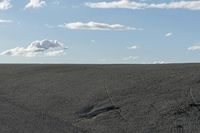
(100, 98)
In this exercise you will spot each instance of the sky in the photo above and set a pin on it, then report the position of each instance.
(100, 31)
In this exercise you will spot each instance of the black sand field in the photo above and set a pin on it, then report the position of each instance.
(100, 98)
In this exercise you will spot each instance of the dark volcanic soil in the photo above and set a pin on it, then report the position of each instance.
(100, 98)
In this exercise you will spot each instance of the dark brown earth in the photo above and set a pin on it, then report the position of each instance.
(100, 98)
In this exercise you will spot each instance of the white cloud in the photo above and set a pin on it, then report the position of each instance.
(5, 21)
(43, 47)
(169, 34)
(35, 4)
(96, 26)
(5, 4)
(132, 47)
(159, 62)
(194, 48)
(55, 53)
(192, 5)
(131, 58)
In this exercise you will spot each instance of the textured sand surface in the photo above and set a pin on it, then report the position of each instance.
(100, 98)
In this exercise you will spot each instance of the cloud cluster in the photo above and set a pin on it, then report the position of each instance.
(5, 21)
(159, 62)
(43, 47)
(192, 5)
(35, 4)
(96, 26)
(132, 47)
(194, 48)
(168, 34)
(5, 4)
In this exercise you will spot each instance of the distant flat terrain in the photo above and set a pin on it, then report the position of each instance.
(100, 98)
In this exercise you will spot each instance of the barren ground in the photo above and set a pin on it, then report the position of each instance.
(100, 98)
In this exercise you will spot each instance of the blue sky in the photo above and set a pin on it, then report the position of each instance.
(99, 31)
